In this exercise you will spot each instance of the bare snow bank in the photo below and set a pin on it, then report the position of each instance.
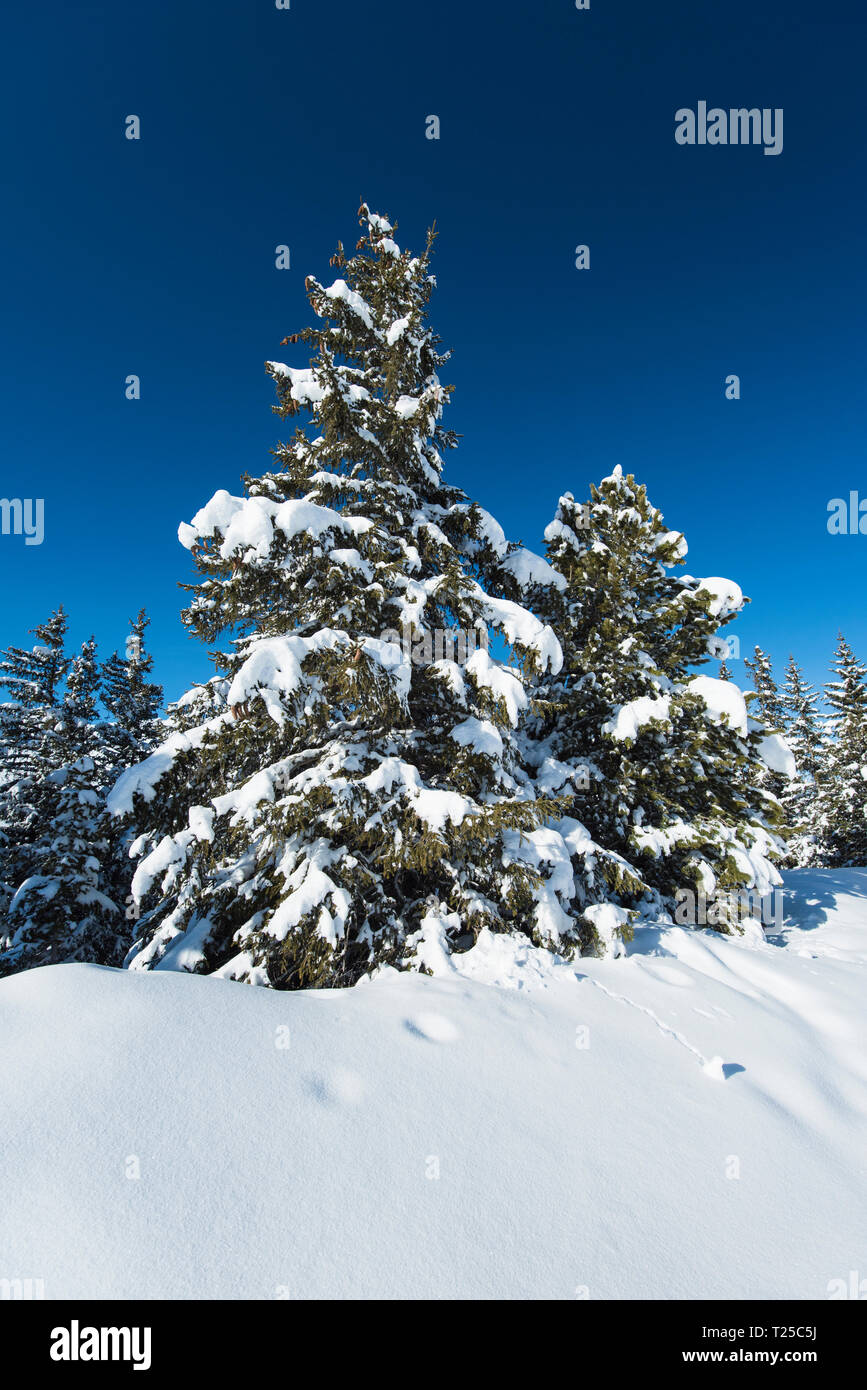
(686, 1121)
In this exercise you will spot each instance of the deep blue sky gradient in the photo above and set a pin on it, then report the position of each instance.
(262, 127)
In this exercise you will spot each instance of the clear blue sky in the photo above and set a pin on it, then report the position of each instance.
(262, 127)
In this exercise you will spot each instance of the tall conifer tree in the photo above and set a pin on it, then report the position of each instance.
(60, 912)
(672, 760)
(843, 788)
(768, 698)
(132, 700)
(355, 793)
(804, 737)
(766, 703)
(34, 678)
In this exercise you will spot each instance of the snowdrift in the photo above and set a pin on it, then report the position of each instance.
(686, 1122)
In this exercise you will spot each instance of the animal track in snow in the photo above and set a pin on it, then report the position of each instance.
(336, 1087)
(713, 1067)
(668, 974)
(433, 1027)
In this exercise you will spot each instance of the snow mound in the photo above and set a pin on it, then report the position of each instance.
(776, 754)
(684, 1122)
(632, 717)
(726, 596)
(724, 700)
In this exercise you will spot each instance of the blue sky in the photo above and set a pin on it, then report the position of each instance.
(261, 127)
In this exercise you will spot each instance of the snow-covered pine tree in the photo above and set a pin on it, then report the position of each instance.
(804, 737)
(131, 699)
(357, 795)
(725, 673)
(766, 701)
(60, 911)
(133, 731)
(670, 760)
(34, 678)
(767, 692)
(843, 786)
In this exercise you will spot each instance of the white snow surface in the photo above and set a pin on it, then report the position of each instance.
(340, 290)
(529, 568)
(726, 596)
(248, 523)
(396, 331)
(725, 701)
(142, 778)
(634, 715)
(512, 1127)
(776, 754)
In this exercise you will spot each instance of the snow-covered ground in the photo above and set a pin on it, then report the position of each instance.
(685, 1122)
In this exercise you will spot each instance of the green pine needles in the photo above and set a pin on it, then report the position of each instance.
(68, 731)
(417, 732)
(347, 804)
